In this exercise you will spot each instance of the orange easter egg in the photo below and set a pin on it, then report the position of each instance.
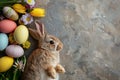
(7, 26)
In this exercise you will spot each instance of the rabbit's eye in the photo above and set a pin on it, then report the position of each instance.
(51, 42)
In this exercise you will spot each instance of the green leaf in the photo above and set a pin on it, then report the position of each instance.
(7, 3)
(6, 78)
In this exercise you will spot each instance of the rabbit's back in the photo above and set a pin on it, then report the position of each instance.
(38, 62)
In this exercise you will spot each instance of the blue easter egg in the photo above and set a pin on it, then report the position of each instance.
(3, 41)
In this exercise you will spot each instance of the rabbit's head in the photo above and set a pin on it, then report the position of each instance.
(45, 41)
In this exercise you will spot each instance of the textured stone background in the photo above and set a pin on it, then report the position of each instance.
(90, 31)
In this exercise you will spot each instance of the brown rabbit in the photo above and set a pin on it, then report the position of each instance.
(44, 62)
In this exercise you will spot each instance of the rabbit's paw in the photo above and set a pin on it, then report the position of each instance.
(51, 72)
(60, 69)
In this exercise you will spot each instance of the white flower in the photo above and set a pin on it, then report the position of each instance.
(26, 19)
(20, 65)
(30, 2)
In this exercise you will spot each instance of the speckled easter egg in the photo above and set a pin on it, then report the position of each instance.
(14, 51)
(3, 41)
(10, 13)
(7, 26)
(21, 34)
(6, 63)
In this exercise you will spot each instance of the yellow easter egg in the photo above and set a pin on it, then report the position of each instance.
(6, 63)
(21, 34)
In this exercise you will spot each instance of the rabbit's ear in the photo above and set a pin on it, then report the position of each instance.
(40, 28)
(34, 33)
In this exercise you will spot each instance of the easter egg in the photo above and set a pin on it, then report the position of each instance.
(10, 13)
(6, 63)
(21, 34)
(7, 26)
(3, 41)
(14, 51)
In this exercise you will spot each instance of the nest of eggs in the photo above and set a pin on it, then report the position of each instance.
(14, 34)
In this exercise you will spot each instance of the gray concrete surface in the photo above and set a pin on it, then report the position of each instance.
(90, 31)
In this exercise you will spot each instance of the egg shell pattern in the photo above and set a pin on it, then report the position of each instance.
(6, 63)
(21, 34)
(10, 13)
(7, 26)
(3, 41)
(14, 51)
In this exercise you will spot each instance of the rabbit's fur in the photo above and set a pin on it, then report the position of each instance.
(44, 62)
